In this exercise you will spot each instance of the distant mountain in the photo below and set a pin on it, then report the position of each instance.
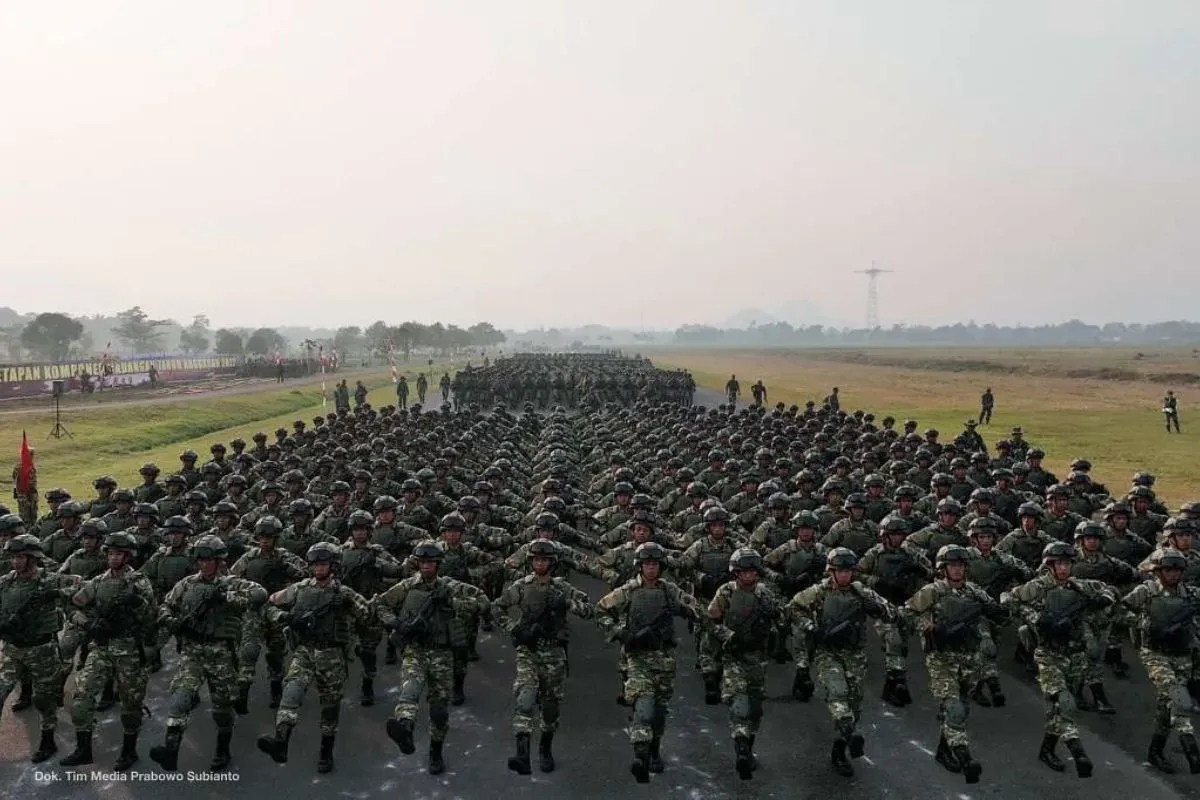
(796, 313)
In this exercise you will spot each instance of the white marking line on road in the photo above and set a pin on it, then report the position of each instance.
(923, 749)
(699, 772)
(964, 797)
(868, 760)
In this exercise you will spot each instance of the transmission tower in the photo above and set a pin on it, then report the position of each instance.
(872, 294)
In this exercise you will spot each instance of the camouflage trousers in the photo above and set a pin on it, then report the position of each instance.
(1169, 676)
(649, 686)
(1060, 675)
(429, 671)
(952, 673)
(894, 638)
(121, 661)
(840, 675)
(743, 689)
(41, 666)
(257, 631)
(369, 636)
(325, 666)
(27, 508)
(706, 649)
(989, 661)
(213, 663)
(1098, 631)
(541, 674)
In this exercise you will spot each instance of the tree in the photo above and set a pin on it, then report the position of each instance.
(485, 334)
(194, 338)
(137, 330)
(264, 341)
(376, 336)
(49, 336)
(10, 340)
(229, 342)
(348, 340)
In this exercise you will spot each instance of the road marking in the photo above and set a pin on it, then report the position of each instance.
(923, 749)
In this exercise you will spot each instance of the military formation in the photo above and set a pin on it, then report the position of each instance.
(776, 535)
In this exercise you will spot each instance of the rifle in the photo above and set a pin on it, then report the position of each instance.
(106, 621)
(305, 624)
(185, 625)
(417, 627)
(14, 621)
(651, 636)
(530, 633)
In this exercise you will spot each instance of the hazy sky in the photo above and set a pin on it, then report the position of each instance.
(626, 161)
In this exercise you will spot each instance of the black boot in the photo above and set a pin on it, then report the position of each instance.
(277, 746)
(712, 689)
(166, 755)
(998, 698)
(241, 703)
(472, 653)
(221, 757)
(971, 768)
(837, 757)
(741, 749)
(276, 693)
(1112, 657)
(1083, 764)
(978, 696)
(46, 748)
(128, 756)
(400, 731)
(545, 753)
(108, 698)
(856, 745)
(1157, 758)
(389, 657)
(325, 759)
(753, 758)
(640, 768)
(437, 765)
(83, 751)
(368, 691)
(1048, 755)
(1102, 704)
(520, 762)
(25, 700)
(802, 686)
(458, 698)
(945, 757)
(895, 689)
(1188, 742)
(656, 762)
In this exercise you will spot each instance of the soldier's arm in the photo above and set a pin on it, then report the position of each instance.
(244, 592)
(500, 607)
(875, 605)
(388, 566)
(577, 601)
(1138, 598)
(297, 570)
(689, 606)
(468, 599)
(284, 598)
(359, 608)
(609, 609)
(239, 567)
(385, 604)
(86, 595)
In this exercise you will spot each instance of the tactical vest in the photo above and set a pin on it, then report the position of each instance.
(957, 616)
(172, 568)
(26, 619)
(118, 614)
(99, 508)
(533, 608)
(1169, 624)
(86, 565)
(446, 630)
(360, 570)
(1100, 569)
(317, 618)
(454, 565)
(62, 545)
(1027, 548)
(803, 561)
(1126, 548)
(989, 573)
(1062, 613)
(268, 571)
(750, 620)
(203, 620)
(940, 537)
(840, 625)
(651, 609)
(295, 542)
(777, 534)
(894, 575)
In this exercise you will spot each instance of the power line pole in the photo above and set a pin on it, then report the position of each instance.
(872, 294)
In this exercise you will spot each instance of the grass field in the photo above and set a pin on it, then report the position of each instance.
(1115, 423)
(116, 440)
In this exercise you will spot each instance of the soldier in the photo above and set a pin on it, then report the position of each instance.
(1094, 564)
(151, 491)
(102, 503)
(707, 560)
(27, 500)
(943, 532)
(120, 630)
(320, 614)
(994, 572)
(1166, 625)
(1028, 541)
(170, 564)
(1170, 409)
(28, 626)
(776, 528)
(367, 568)
(121, 516)
(951, 613)
(987, 403)
(794, 566)
(539, 634)
(65, 540)
(204, 613)
(639, 614)
(830, 617)
(1054, 606)
(743, 613)
(425, 612)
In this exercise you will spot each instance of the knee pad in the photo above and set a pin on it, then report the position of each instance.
(739, 706)
(410, 691)
(835, 686)
(954, 712)
(439, 713)
(293, 694)
(643, 709)
(987, 647)
(550, 710)
(1179, 698)
(527, 699)
(180, 703)
(1065, 700)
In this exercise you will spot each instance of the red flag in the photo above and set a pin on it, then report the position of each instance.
(24, 466)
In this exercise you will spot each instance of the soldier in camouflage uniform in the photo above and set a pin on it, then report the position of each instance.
(1166, 627)
(776, 528)
(367, 568)
(994, 572)
(1094, 564)
(942, 532)
(172, 504)
(121, 515)
(28, 625)
(426, 613)
(792, 567)
(830, 616)
(49, 522)
(86, 563)
(122, 612)
(743, 613)
(102, 503)
(707, 561)
(203, 611)
(539, 633)
(27, 503)
(1059, 522)
(1054, 607)
(320, 613)
(151, 491)
(170, 564)
(64, 541)
(640, 615)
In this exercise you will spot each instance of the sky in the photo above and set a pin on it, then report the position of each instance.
(624, 162)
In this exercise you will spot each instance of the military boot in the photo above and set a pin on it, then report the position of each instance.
(472, 652)
(1101, 699)
(1048, 753)
(712, 688)
(1157, 758)
(656, 762)
(741, 749)
(389, 656)
(368, 691)
(458, 697)
(241, 703)
(277, 746)
(977, 694)
(325, 759)
(400, 731)
(545, 753)
(802, 686)
(895, 689)
(1083, 764)
(25, 700)
(1120, 668)
(1190, 750)
(437, 764)
(640, 768)
(108, 697)
(520, 762)
(128, 755)
(46, 748)
(971, 768)
(83, 750)
(945, 756)
(166, 755)
(276, 693)
(837, 757)
(221, 757)
(993, 685)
